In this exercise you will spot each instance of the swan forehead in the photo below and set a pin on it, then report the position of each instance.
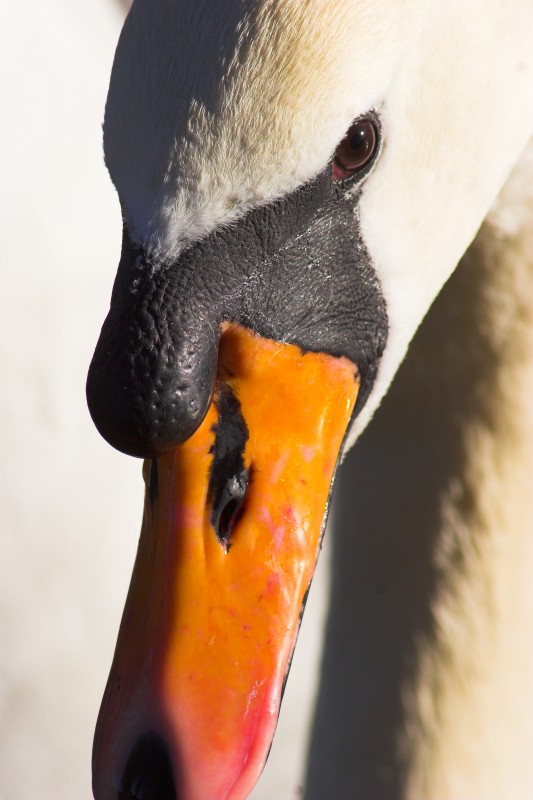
(217, 106)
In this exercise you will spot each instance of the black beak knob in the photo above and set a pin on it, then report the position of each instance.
(152, 375)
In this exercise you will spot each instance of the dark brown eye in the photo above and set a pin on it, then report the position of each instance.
(356, 149)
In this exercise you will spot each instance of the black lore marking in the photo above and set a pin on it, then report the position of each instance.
(228, 481)
(148, 773)
(296, 270)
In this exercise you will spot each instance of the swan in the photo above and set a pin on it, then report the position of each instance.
(297, 181)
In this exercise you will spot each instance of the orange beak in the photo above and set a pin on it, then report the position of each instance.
(230, 537)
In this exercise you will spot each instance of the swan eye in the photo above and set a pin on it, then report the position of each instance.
(356, 149)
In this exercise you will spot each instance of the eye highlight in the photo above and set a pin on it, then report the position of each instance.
(356, 149)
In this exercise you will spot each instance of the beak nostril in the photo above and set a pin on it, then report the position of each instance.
(148, 774)
(228, 504)
(229, 478)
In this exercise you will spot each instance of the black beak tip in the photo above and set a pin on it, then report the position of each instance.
(148, 774)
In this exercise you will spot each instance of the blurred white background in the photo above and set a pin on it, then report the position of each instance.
(70, 506)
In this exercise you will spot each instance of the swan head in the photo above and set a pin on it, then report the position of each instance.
(297, 181)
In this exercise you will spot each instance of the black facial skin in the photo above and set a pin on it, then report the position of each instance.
(295, 271)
